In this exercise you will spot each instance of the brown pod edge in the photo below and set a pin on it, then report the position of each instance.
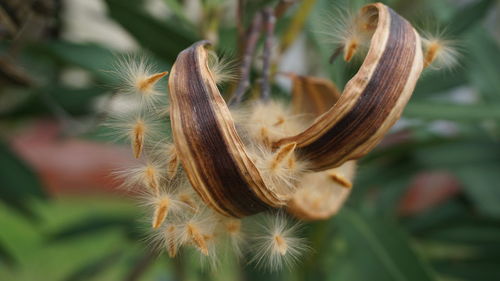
(319, 195)
(211, 152)
(214, 157)
(372, 100)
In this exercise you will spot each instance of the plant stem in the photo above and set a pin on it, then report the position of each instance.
(282, 7)
(270, 21)
(240, 26)
(298, 22)
(251, 43)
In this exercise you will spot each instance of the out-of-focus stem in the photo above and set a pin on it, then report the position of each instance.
(251, 43)
(240, 26)
(293, 30)
(210, 24)
(282, 7)
(270, 21)
(297, 24)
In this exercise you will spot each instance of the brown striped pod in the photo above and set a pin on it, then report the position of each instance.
(319, 195)
(215, 158)
(312, 96)
(372, 101)
(211, 152)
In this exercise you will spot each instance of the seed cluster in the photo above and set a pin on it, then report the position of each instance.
(266, 144)
(179, 217)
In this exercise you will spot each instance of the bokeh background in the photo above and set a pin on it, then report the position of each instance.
(425, 204)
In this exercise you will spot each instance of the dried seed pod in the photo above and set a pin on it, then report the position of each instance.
(312, 96)
(215, 158)
(372, 100)
(210, 150)
(319, 195)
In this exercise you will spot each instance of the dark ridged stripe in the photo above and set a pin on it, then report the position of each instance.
(365, 117)
(221, 173)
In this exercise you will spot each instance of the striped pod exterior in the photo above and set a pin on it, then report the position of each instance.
(210, 150)
(319, 195)
(214, 156)
(372, 100)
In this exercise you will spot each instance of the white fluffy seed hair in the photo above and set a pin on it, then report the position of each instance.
(276, 244)
(177, 231)
(123, 125)
(439, 51)
(146, 177)
(139, 79)
(281, 177)
(161, 149)
(166, 238)
(215, 252)
(185, 193)
(322, 191)
(163, 206)
(231, 235)
(345, 27)
(268, 121)
(203, 221)
(223, 68)
(164, 150)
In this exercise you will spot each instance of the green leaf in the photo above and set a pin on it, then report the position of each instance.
(481, 183)
(459, 153)
(252, 272)
(468, 16)
(95, 267)
(95, 224)
(19, 183)
(434, 81)
(92, 57)
(454, 112)
(441, 214)
(475, 163)
(44, 100)
(5, 257)
(483, 65)
(482, 270)
(380, 250)
(165, 39)
(468, 229)
(177, 9)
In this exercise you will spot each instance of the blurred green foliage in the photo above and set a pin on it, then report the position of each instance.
(101, 238)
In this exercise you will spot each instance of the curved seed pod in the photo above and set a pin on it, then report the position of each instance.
(210, 150)
(372, 100)
(214, 157)
(312, 96)
(319, 195)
